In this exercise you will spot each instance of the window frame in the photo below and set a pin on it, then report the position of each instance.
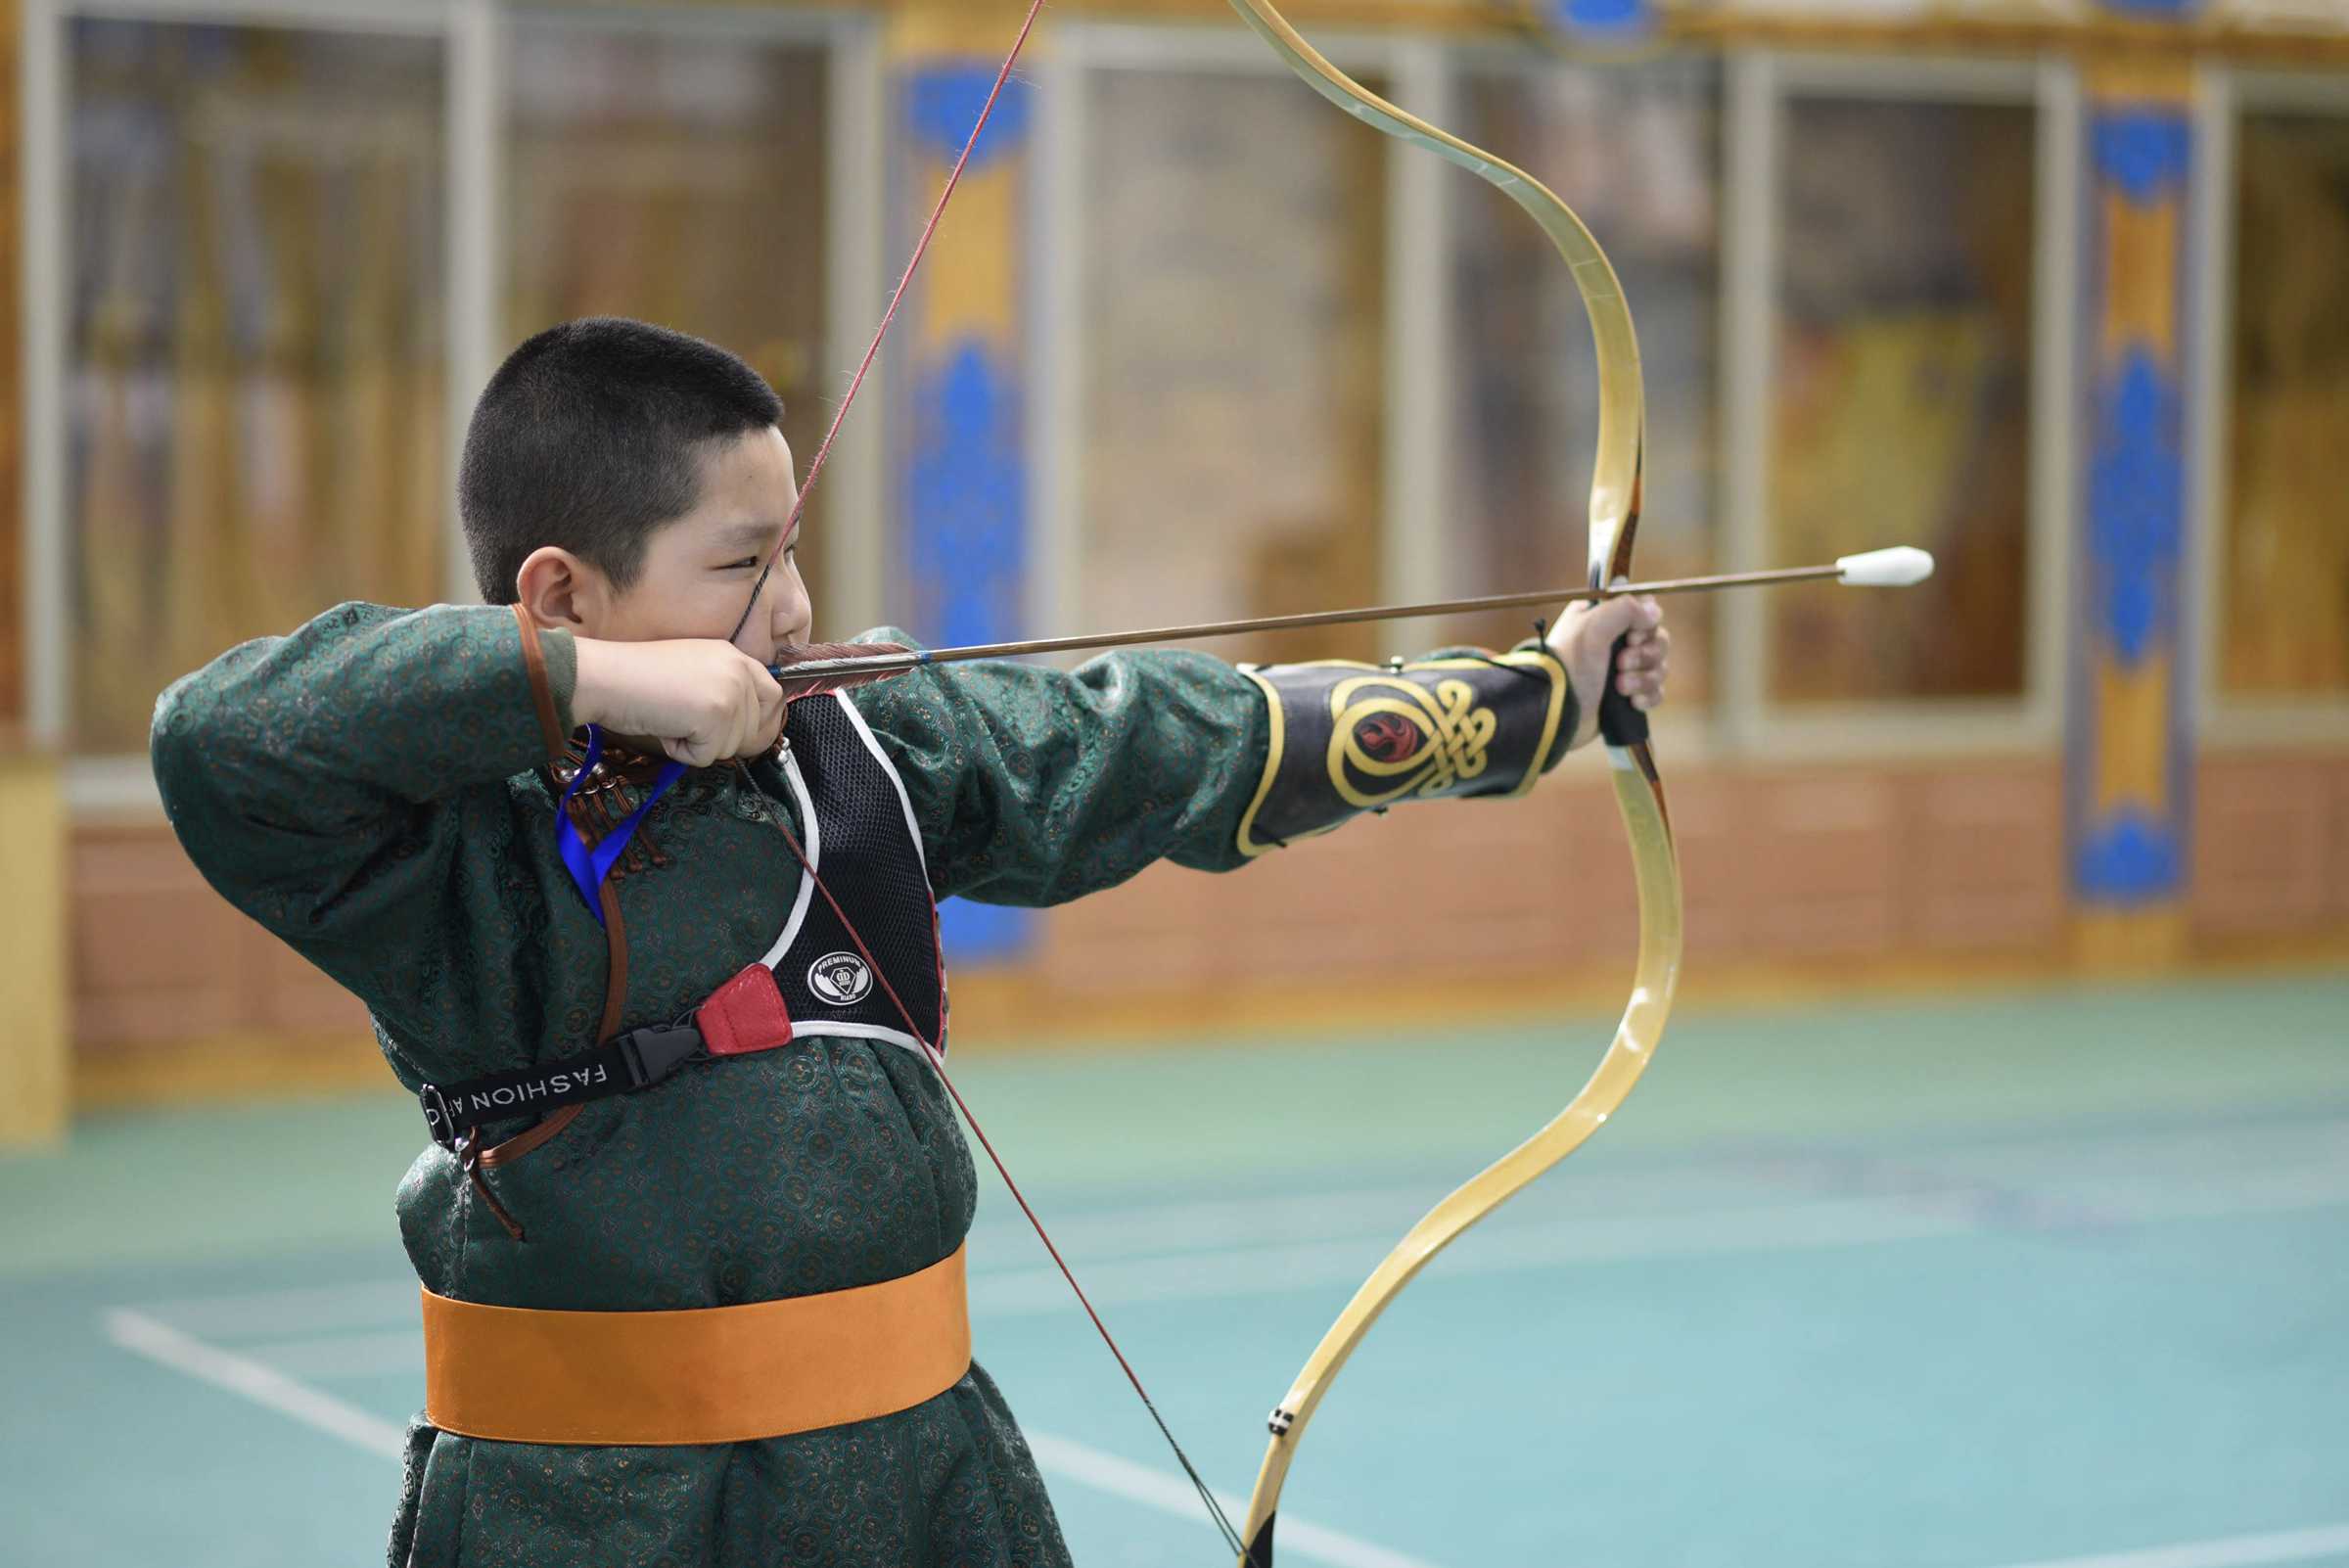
(1696, 731)
(2225, 95)
(1764, 84)
(1414, 257)
(474, 35)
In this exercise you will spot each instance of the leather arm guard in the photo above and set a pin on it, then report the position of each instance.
(1349, 738)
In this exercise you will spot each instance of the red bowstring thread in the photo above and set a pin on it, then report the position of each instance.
(937, 1057)
(938, 1063)
(872, 351)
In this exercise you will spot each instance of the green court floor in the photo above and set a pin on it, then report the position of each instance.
(2054, 1279)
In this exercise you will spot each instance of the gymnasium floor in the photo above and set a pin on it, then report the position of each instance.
(2051, 1278)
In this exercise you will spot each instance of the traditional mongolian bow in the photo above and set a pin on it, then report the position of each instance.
(1614, 524)
(1615, 496)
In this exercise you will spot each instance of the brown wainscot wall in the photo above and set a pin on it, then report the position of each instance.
(1881, 873)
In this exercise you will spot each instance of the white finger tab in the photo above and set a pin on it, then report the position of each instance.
(1896, 568)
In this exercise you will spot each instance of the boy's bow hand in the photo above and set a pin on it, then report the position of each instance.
(1583, 639)
(702, 701)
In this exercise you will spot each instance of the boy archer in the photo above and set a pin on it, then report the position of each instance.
(656, 948)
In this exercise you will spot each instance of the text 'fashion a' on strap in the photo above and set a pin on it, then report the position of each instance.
(742, 1017)
(712, 1374)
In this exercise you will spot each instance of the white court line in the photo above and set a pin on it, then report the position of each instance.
(2299, 1167)
(1214, 1225)
(2201, 1157)
(330, 1358)
(1504, 1245)
(247, 1378)
(1501, 1249)
(2232, 1551)
(1262, 1272)
(1138, 1483)
(262, 1314)
(1232, 1273)
(1062, 1458)
(1496, 1249)
(1066, 1459)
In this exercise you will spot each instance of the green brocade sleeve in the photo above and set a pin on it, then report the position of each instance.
(1034, 786)
(323, 781)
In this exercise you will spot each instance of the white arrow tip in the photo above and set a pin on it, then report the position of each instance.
(1897, 568)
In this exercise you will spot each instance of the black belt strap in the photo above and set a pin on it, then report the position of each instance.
(635, 1060)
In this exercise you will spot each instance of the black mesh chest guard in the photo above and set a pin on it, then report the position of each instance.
(861, 839)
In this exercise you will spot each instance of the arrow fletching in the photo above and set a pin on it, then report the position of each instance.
(1901, 567)
(828, 666)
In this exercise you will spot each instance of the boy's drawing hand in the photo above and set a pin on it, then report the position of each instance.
(1583, 639)
(700, 700)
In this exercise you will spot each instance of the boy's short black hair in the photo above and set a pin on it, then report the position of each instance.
(590, 436)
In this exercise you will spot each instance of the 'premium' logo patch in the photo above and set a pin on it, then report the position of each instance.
(842, 979)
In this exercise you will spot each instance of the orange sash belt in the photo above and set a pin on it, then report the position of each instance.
(714, 1374)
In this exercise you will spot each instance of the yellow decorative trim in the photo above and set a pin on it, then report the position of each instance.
(1275, 748)
(35, 1044)
(2099, 38)
(983, 27)
(234, 1068)
(1560, 683)
(2130, 941)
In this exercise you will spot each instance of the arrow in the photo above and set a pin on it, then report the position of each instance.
(1896, 568)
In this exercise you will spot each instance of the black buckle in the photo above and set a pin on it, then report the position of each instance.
(438, 1119)
(653, 1053)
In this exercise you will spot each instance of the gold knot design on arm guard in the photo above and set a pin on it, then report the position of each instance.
(1406, 739)
(1347, 738)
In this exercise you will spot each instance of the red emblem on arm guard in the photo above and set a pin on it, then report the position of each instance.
(1389, 737)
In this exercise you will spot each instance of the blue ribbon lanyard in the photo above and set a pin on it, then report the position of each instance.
(588, 867)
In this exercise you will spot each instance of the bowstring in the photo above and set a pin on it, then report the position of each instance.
(937, 1057)
(938, 1064)
(896, 297)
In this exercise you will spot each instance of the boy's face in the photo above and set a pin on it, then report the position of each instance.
(697, 570)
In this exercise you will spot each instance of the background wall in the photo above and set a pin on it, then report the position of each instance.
(2055, 298)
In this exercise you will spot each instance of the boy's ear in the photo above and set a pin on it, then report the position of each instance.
(558, 589)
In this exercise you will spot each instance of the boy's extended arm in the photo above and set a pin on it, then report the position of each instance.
(1034, 786)
(318, 780)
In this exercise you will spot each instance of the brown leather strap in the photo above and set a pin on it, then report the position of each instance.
(615, 1006)
(718, 1375)
(538, 1134)
(543, 688)
(615, 965)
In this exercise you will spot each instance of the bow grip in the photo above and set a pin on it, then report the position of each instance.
(1619, 722)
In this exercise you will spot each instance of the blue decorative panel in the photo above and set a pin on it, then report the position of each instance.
(965, 498)
(2166, 10)
(2143, 152)
(962, 488)
(1602, 16)
(2127, 787)
(944, 104)
(2137, 507)
(2128, 858)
